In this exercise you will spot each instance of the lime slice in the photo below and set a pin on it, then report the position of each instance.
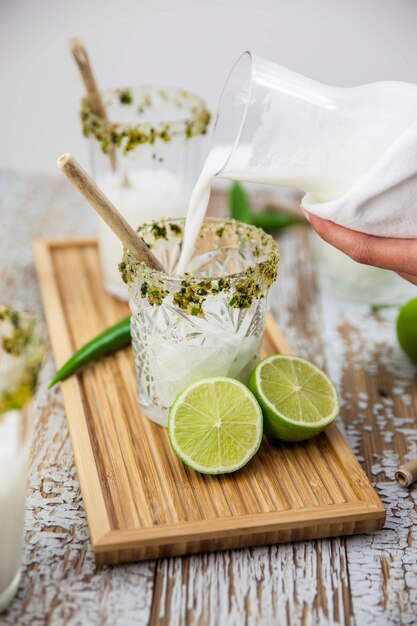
(215, 425)
(298, 399)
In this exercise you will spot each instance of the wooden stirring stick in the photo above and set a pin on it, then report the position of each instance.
(107, 211)
(79, 52)
(407, 474)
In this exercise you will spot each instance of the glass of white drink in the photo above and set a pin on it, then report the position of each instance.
(20, 361)
(145, 157)
(208, 321)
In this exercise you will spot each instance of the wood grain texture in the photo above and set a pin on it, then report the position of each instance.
(364, 579)
(142, 502)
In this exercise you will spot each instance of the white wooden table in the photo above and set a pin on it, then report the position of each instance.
(358, 580)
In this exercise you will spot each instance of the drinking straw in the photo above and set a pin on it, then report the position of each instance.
(79, 52)
(107, 211)
(407, 474)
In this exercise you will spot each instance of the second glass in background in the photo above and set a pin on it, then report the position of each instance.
(145, 159)
(341, 277)
(20, 361)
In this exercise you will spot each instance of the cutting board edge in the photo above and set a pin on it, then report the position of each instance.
(122, 546)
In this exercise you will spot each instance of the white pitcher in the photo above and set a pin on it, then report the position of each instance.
(282, 128)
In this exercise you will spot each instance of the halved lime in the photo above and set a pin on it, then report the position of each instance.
(297, 398)
(215, 425)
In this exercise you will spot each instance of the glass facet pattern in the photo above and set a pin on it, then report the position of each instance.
(172, 348)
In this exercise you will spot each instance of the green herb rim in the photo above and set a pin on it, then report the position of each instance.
(193, 117)
(189, 292)
(24, 345)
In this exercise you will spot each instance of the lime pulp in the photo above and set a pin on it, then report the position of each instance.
(298, 399)
(215, 425)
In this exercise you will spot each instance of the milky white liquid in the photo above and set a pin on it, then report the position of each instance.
(14, 458)
(201, 195)
(174, 366)
(197, 208)
(150, 195)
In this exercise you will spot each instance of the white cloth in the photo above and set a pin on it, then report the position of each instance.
(384, 202)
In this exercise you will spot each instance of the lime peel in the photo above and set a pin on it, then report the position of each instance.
(292, 393)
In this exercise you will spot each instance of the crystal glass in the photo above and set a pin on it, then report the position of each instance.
(146, 159)
(20, 361)
(208, 322)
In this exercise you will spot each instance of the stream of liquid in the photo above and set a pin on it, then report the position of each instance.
(198, 206)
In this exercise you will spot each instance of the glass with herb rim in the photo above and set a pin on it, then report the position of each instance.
(20, 361)
(208, 322)
(146, 158)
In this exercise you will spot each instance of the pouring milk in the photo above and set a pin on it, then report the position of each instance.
(353, 151)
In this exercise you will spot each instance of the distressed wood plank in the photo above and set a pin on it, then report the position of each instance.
(380, 416)
(366, 579)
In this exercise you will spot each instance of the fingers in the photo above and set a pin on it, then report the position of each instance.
(399, 255)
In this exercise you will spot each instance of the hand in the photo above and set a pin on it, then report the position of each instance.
(399, 255)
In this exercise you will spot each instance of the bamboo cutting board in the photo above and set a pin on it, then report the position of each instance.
(141, 501)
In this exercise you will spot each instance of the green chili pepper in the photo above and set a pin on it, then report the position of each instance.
(378, 307)
(110, 340)
(270, 219)
(240, 208)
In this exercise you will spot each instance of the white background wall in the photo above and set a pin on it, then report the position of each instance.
(188, 43)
